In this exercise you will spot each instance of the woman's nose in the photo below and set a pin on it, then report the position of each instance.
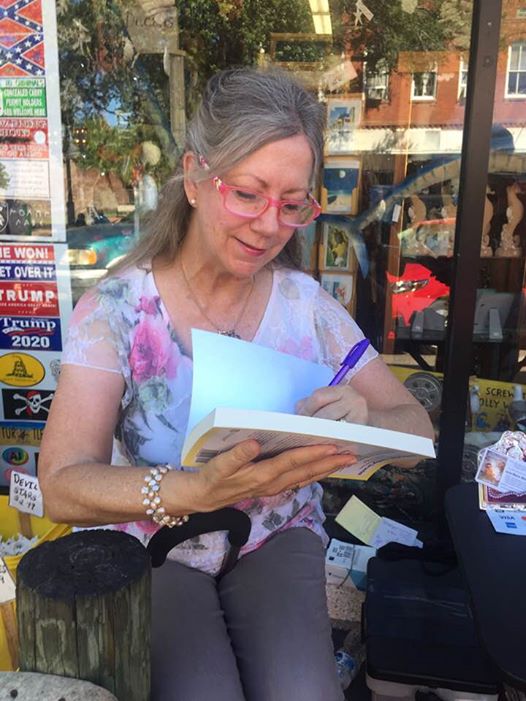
(268, 221)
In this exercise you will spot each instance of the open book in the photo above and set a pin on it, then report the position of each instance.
(275, 431)
(242, 390)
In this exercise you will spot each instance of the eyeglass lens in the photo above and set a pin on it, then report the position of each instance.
(251, 204)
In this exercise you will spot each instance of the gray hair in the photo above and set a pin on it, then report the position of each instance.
(242, 109)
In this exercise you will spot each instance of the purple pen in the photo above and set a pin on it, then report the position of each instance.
(350, 360)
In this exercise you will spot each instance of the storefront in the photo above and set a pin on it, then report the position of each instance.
(423, 185)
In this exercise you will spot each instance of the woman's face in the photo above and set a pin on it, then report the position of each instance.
(241, 246)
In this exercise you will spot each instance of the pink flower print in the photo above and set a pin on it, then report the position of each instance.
(149, 305)
(153, 353)
(302, 349)
(147, 527)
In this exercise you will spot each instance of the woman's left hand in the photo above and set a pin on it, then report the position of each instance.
(340, 402)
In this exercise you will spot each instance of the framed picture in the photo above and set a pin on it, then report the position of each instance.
(336, 249)
(343, 116)
(340, 187)
(309, 249)
(340, 286)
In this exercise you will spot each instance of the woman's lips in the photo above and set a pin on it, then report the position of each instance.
(251, 250)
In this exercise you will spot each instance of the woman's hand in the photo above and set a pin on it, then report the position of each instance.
(340, 402)
(234, 476)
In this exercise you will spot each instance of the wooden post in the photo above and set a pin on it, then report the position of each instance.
(8, 620)
(83, 609)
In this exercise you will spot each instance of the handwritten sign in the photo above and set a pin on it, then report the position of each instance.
(7, 584)
(25, 494)
(357, 518)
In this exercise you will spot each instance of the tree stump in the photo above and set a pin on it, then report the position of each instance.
(83, 610)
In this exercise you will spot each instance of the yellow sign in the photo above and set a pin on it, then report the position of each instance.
(21, 370)
(21, 433)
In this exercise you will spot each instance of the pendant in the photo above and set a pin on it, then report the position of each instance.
(231, 334)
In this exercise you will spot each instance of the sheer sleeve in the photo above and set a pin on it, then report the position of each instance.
(337, 332)
(91, 339)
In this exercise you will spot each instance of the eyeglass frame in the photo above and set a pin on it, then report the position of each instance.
(221, 186)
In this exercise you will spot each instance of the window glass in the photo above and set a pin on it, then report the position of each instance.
(391, 77)
(497, 386)
(462, 80)
(424, 84)
(377, 82)
(517, 71)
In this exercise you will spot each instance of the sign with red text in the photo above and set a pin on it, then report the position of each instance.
(31, 173)
(24, 138)
(35, 304)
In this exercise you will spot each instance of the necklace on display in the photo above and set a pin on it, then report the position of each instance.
(229, 332)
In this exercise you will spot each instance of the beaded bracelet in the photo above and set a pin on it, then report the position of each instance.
(152, 499)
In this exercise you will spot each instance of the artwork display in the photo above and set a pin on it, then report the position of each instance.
(338, 286)
(307, 237)
(336, 248)
(343, 116)
(341, 177)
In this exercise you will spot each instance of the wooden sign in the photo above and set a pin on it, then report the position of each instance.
(153, 27)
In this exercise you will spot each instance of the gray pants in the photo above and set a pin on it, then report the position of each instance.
(261, 634)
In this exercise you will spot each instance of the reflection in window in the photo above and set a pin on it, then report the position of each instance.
(462, 80)
(377, 82)
(424, 85)
(516, 73)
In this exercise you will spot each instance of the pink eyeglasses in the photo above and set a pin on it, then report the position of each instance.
(250, 204)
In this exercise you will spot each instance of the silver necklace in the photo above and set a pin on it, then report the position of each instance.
(229, 332)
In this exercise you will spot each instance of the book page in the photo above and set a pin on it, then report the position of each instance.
(237, 374)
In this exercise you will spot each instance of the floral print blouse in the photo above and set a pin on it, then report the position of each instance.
(122, 326)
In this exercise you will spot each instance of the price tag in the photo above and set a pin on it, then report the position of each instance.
(7, 584)
(25, 494)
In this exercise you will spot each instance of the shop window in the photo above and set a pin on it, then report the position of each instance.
(377, 82)
(516, 71)
(424, 85)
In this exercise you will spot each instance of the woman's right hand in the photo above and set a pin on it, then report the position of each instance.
(234, 476)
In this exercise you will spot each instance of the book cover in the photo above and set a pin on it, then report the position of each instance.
(373, 447)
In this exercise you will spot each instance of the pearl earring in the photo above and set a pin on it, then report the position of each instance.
(193, 201)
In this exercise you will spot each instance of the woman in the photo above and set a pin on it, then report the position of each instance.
(220, 256)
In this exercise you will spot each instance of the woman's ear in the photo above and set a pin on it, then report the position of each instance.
(190, 166)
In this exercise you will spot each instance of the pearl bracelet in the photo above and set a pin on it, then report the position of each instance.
(152, 499)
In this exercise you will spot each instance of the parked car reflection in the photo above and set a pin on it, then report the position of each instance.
(93, 249)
